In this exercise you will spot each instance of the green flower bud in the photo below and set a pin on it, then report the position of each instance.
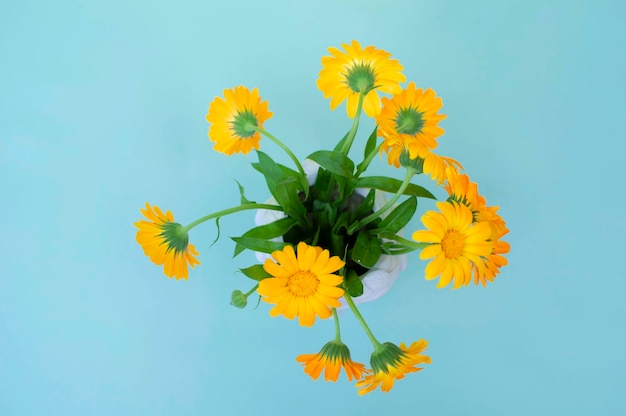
(238, 299)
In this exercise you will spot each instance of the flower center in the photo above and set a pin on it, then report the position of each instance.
(452, 244)
(244, 123)
(303, 284)
(361, 77)
(409, 121)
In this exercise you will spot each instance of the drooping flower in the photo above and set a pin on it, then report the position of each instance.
(303, 285)
(233, 119)
(345, 75)
(421, 159)
(332, 357)
(457, 244)
(166, 242)
(392, 363)
(412, 118)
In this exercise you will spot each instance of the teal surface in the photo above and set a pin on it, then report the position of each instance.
(102, 108)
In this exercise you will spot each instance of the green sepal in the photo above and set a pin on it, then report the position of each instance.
(335, 162)
(244, 200)
(217, 224)
(353, 284)
(274, 229)
(386, 356)
(284, 186)
(256, 272)
(259, 244)
(366, 250)
(392, 185)
(400, 216)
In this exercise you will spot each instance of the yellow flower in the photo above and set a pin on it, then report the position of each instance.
(419, 157)
(392, 363)
(457, 244)
(302, 285)
(494, 260)
(234, 118)
(462, 190)
(333, 356)
(166, 242)
(411, 117)
(345, 75)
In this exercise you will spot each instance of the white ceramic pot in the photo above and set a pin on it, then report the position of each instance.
(379, 279)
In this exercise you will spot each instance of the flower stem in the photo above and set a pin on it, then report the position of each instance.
(251, 291)
(231, 211)
(293, 157)
(337, 330)
(355, 126)
(359, 318)
(407, 179)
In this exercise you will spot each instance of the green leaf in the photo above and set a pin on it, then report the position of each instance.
(217, 224)
(274, 229)
(366, 250)
(256, 272)
(335, 162)
(353, 284)
(371, 143)
(370, 147)
(285, 188)
(365, 208)
(400, 216)
(341, 142)
(259, 244)
(244, 200)
(392, 185)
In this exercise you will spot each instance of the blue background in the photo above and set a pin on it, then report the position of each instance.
(102, 109)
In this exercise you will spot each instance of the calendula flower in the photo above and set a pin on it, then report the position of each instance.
(494, 260)
(419, 158)
(303, 285)
(457, 244)
(234, 119)
(391, 363)
(332, 357)
(345, 75)
(166, 242)
(411, 117)
(462, 190)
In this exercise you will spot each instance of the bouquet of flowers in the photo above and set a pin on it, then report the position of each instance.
(329, 238)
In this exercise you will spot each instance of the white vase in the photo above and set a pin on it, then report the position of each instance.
(379, 279)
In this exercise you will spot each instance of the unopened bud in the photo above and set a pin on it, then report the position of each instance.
(238, 299)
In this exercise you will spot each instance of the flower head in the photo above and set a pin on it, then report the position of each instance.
(166, 242)
(457, 244)
(494, 260)
(345, 75)
(391, 363)
(303, 285)
(411, 117)
(234, 120)
(419, 158)
(462, 190)
(332, 357)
